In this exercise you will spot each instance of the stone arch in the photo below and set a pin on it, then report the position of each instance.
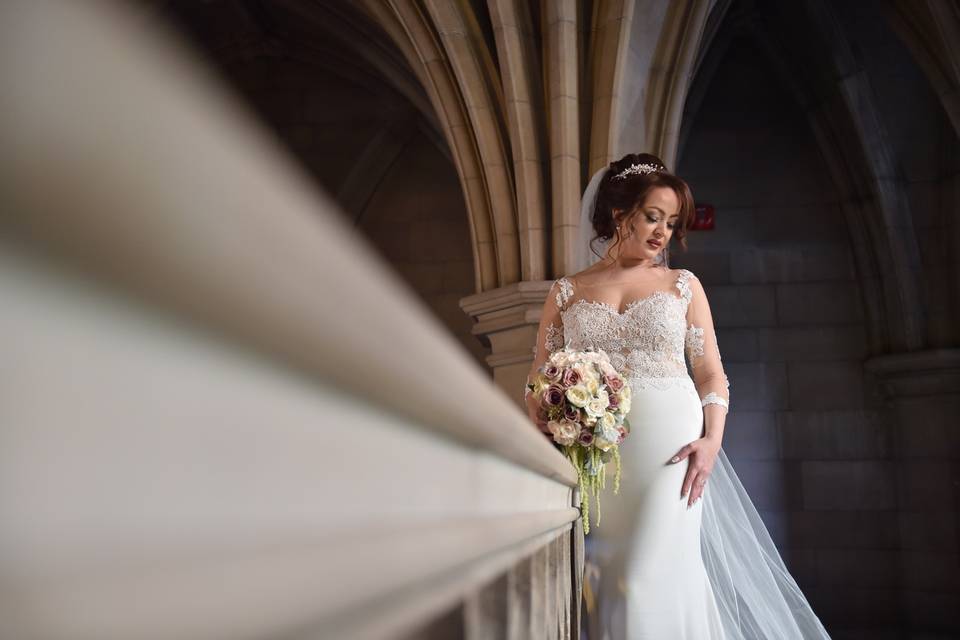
(931, 30)
(442, 45)
(644, 55)
(835, 94)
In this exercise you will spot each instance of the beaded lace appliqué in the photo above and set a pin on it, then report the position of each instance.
(646, 341)
(566, 290)
(553, 341)
(553, 338)
(694, 342)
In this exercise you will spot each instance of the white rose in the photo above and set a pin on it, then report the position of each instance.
(608, 420)
(559, 358)
(593, 386)
(564, 432)
(595, 408)
(578, 395)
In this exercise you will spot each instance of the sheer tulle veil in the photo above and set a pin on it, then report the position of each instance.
(756, 595)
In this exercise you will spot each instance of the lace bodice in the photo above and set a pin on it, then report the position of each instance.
(646, 340)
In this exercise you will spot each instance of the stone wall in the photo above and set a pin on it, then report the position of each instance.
(807, 432)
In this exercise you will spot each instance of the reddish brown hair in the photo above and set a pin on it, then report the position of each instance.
(630, 192)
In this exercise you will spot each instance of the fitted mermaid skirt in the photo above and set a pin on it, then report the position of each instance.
(652, 581)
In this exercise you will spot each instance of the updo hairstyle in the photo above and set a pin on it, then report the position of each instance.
(628, 193)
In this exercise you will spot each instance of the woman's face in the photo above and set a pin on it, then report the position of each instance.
(650, 229)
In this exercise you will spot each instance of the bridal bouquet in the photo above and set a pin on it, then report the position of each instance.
(585, 403)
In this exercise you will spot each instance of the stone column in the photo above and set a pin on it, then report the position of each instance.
(924, 388)
(507, 319)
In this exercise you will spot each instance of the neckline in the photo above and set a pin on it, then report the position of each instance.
(678, 284)
(633, 304)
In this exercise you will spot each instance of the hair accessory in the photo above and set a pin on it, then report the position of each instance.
(639, 169)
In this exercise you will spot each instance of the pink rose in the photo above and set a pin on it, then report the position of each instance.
(614, 382)
(570, 377)
(586, 437)
(614, 402)
(571, 413)
(552, 372)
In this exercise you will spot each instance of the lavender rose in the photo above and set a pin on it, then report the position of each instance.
(552, 372)
(553, 396)
(586, 437)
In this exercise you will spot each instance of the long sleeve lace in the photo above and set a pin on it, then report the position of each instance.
(549, 339)
(550, 331)
(702, 350)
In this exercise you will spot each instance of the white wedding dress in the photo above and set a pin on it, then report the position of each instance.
(666, 571)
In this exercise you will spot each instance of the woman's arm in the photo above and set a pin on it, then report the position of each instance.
(549, 339)
(705, 363)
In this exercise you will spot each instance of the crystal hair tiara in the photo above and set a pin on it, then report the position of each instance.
(639, 169)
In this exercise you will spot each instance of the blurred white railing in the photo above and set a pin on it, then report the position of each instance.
(220, 414)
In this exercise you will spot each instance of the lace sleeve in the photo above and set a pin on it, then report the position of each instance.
(550, 332)
(701, 346)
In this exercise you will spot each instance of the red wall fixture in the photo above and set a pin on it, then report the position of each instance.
(704, 218)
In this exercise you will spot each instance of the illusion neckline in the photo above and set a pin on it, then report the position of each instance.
(633, 304)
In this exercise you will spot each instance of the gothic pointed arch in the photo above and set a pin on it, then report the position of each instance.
(441, 43)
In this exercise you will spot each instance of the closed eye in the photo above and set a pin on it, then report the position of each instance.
(653, 220)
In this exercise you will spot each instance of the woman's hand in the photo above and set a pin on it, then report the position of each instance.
(534, 413)
(703, 454)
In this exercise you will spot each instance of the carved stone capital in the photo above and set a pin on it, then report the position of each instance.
(507, 318)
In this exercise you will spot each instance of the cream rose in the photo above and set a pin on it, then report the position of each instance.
(578, 395)
(593, 386)
(594, 408)
(564, 432)
(608, 420)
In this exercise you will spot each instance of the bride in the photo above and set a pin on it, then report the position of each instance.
(681, 551)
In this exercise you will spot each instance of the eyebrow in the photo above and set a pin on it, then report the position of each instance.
(653, 206)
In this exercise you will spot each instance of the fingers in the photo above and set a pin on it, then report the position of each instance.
(696, 476)
(684, 452)
(698, 486)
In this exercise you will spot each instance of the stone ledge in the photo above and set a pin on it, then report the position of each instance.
(920, 373)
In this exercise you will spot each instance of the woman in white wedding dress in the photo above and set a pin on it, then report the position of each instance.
(672, 566)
